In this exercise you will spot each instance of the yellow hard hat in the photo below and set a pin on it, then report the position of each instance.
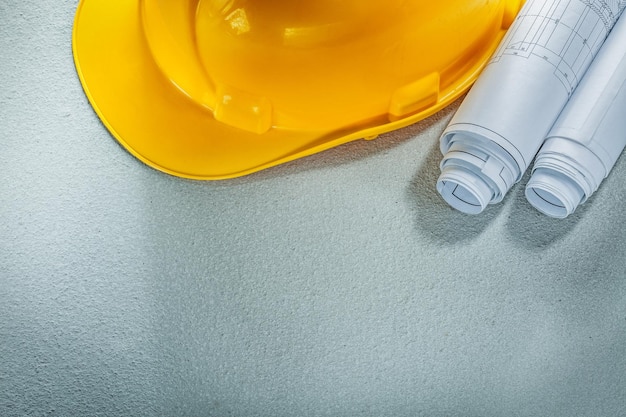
(213, 89)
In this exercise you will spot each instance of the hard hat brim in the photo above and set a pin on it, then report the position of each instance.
(160, 125)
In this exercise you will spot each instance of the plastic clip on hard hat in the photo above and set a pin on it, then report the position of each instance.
(212, 89)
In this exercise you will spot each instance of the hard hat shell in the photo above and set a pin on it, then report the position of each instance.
(213, 89)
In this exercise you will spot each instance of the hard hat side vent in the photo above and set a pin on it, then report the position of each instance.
(414, 97)
(243, 110)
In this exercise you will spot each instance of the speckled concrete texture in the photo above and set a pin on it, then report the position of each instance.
(337, 285)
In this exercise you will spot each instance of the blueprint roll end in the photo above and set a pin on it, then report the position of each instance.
(554, 194)
(475, 172)
(463, 190)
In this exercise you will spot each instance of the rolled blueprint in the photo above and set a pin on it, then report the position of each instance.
(504, 119)
(590, 134)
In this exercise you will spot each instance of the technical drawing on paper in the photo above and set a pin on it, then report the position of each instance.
(565, 33)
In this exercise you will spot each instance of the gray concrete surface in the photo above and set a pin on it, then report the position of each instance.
(337, 285)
